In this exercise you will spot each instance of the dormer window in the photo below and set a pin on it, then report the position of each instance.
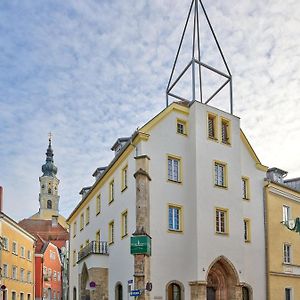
(118, 145)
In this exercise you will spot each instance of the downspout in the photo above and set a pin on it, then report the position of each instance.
(266, 232)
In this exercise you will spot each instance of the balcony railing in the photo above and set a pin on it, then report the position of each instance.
(93, 247)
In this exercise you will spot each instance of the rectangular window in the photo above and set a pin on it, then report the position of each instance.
(14, 248)
(21, 296)
(181, 127)
(58, 276)
(87, 215)
(212, 126)
(247, 231)
(5, 243)
(225, 129)
(54, 275)
(174, 217)
(14, 272)
(98, 204)
(52, 255)
(98, 236)
(174, 169)
(22, 252)
(81, 221)
(124, 178)
(288, 293)
(29, 276)
(5, 270)
(221, 221)
(28, 254)
(13, 296)
(124, 225)
(74, 258)
(245, 188)
(28, 297)
(286, 213)
(111, 232)
(74, 229)
(111, 191)
(49, 272)
(44, 271)
(287, 253)
(22, 274)
(220, 174)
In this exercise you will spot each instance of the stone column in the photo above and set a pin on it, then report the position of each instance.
(142, 261)
(198, 290)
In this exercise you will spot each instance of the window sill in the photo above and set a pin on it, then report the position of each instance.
(184, 134)
(110, 202)
(110, 243)
(175, 231)
(87, 224)
(225, 187)
(247, 241)
(226, 143)
(247, 199)
(97, 213)
(124, 189)
(213, 139)
(124, 236)
(222, 233)
(174, 181)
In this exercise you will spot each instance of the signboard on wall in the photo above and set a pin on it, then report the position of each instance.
(140, 244)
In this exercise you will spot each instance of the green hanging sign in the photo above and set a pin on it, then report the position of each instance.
(293, 225)
(140, 244)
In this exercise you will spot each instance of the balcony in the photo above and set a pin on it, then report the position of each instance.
(93, 247)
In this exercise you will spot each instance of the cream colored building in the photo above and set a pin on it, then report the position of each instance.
(283, 254)
(16, 260)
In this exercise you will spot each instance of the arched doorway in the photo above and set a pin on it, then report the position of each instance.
(247, 293)
(175, 290)
(84, 292)
(119, 291)
(222, 280)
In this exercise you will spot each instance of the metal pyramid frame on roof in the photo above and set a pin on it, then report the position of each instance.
(196, 63)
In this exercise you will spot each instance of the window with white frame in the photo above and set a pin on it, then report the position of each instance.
(52, 255)
(23, 251)
(220, 174)
(174, 165)
(287, 253)
(5, 243)
(14, 248)
(286, 213)
(54, 275)
(58, 276)
(5, 270)
(221, 220)
(13, 295)
(28, 276)
(175, 216)
(28, 254)
(14, 272)
(288, 294)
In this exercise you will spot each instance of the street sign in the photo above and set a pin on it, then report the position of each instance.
(92, 284)
(3, 287)
(135, 293)
(140, 244)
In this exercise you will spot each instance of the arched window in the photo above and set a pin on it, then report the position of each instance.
(174, 291)
(246, 293)
(119, 292)
(74, 293)
(49, 204)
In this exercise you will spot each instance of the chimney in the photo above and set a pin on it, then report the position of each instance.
(54, 221)
(1, 198)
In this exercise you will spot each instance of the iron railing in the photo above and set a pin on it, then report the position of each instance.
(93, 247)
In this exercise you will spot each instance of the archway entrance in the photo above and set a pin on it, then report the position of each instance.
(222, 280)
(119, 292)
(85, 293)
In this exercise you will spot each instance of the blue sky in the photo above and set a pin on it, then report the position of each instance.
(92, 71)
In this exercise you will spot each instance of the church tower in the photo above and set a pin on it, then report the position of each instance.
(48, 197)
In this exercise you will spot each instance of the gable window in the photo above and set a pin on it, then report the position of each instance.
(220, 174)
(287, 253)
(124, 224)
(286, 213)
(111, 232)
(174, 169)
(14, 248)
(247, 237)
(225, 130)
(181, 126)
(212, 126)
(221, 220)
(245, 188)
(98, 204)
(111, 191)
(81, 221)
(175, 217)
(87, 215)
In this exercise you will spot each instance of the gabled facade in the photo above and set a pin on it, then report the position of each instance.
(282, 204)
(16, 260)
(190, 180)
(48, 273)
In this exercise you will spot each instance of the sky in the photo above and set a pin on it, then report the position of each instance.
(92, 71)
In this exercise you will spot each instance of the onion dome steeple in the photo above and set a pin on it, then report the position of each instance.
(49, 169)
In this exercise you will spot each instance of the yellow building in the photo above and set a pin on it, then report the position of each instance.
(16, 260)
(282, 207)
